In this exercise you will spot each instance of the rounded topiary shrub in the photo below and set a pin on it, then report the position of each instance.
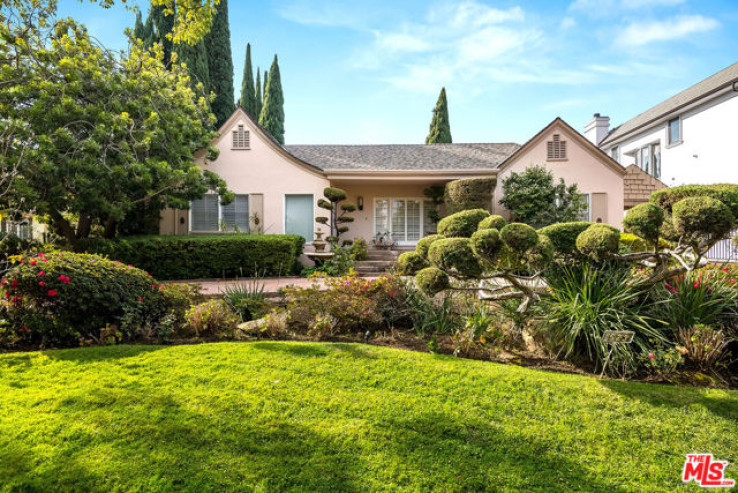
(632, 243)
(486, 243)
(432, 280)
(469, 193)
(666, 198)
(644, 220)
(541, 255)
(462, 224)
(455, 254)
(409, 263)
(334, 194)
(702, 216)
(563, 236)
(519, 237)
(424, 243)
(599, 241)
(59, 297)
(492, 222)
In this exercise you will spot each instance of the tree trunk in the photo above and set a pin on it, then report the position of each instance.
(83, 226)
(111, 226)
(64, 228)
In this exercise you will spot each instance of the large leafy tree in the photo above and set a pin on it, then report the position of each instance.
(272, 113)
(248, 91)
(164, 23)
(96, 135)
(195, 58)
(220, 64)
(533, 198)
(440, 128)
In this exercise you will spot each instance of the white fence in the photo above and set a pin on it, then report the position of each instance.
(724, 250)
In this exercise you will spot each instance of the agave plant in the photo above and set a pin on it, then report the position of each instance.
(585, 301)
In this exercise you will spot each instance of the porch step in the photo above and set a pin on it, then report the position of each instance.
(373, 267)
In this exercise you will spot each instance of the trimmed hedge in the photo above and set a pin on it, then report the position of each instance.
(432, 280)
(725, 193)
(486, 243)
(563, 236)
(455, 254)
(519, 237)
(202, 257)
(461, 224)
(598, 241)
(469, 193)
(424, 244)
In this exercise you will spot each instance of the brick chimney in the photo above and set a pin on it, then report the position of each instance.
(597, 129)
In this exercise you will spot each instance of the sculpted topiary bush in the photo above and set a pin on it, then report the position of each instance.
(492, 222)
(456, 255)
(424, 243)
(599, 241)
(486, 243)
(702, 217)
(461, 224)
(725, 193)
(645, 220)
(563, 236)
(469, 193)
(519, 237)
(409, 263)
(432, 280)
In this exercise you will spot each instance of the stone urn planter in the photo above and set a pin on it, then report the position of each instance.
(318, 243)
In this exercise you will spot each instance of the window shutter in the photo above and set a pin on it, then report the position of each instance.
(556, 148)
(241, 138)
(204, 214)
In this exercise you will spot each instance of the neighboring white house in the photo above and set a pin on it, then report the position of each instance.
(691, 138)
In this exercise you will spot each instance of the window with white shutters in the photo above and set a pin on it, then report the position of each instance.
(209, 216)
(556, 148)
(240, 138)
(236, 214)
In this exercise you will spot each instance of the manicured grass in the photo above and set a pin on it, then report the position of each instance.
(280, 416)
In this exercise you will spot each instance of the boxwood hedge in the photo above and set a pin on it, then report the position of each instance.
(207, 256)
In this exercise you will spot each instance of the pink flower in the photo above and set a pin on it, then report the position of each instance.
(731, 281)
(32, 262)
(41, 273)
(140, 299)
(64, 279)
(696, 284)
(651, 356)
(53, 292)
(392, 293)
(24, 329)
(41, 283)
(14, 284)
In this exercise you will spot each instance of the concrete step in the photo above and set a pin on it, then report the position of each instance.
(375, 267)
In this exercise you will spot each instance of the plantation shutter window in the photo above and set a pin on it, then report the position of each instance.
(204, 214)
(241, 138)
(556, 148)
(236, 214)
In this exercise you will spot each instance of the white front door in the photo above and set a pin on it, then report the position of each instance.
(299, 216)
(401, 219)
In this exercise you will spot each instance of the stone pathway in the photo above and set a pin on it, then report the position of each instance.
(216, 287)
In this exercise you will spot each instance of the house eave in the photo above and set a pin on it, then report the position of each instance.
(406, 175)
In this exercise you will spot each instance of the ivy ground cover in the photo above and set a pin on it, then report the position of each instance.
(286, 416)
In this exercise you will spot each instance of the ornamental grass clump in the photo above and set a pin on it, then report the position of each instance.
(59, 298)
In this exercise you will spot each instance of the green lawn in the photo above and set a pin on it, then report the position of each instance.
(276, 416)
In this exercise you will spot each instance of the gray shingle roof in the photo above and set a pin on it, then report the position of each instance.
(401, 157)
(714, 82)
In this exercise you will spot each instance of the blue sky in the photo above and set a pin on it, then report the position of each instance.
(370, 72)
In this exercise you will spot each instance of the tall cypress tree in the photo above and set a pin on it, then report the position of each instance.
(138, 27)
(440, 128)
(248, 92)
(272, 113)
(164, 26)
(149, 35)
(259, 102)
(196, 59)
(220, 64)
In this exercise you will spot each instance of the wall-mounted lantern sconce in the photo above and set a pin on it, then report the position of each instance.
(360, 202)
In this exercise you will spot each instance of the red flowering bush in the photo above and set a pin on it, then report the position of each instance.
(61, 297)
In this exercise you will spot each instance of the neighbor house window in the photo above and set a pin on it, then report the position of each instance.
(675, 131)
(656, 159)
(207, 215)
(240, 138)
(648, 158)
(556, 148)
(615, 153)
(22, 229)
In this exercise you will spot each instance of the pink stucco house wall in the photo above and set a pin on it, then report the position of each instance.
(277, 186)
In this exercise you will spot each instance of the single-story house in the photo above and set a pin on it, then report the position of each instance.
(277, 187)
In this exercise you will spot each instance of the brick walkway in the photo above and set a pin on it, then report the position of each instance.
(214, 287)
